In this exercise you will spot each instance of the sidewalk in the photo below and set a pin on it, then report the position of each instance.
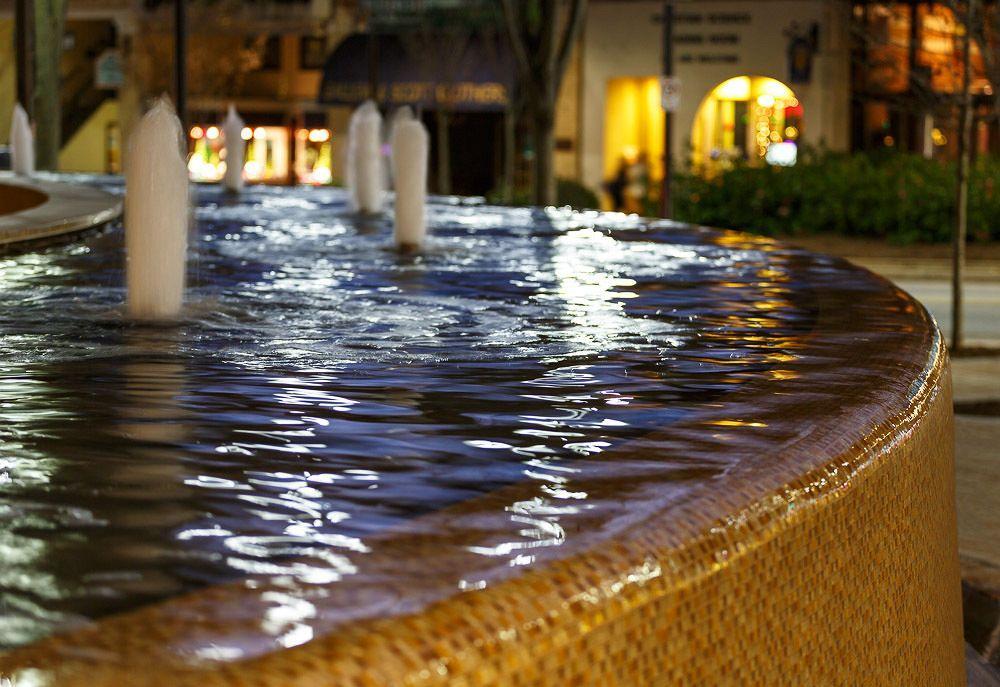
(977, 476)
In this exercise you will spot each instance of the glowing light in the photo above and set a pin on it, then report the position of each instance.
(765, 100)
(782, 154)
(319, 135)
(737, 88)
(302, 134)
(889, 141)
(246, 134)
(197, 132)
(259, 133)
(791, 132)
(938, 137)
(212, 133)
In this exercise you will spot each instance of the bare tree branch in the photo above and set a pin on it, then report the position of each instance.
(512, 17)
(574, 25)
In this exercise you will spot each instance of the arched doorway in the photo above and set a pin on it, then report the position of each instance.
(756, 119)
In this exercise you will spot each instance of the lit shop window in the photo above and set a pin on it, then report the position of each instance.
(207, 158)
(749, 118)
(265, 155)
(313, 156)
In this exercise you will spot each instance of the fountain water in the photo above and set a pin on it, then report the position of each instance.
(402, 114)
(22, 142)
(156, 215)
(365, 178)
(232, 131)
(409, 169)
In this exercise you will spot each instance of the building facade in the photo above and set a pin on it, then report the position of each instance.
(754, 81)
(749, 75)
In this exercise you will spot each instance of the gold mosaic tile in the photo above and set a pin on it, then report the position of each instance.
(828, 559)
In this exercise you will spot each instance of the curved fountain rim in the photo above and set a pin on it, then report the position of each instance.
(741, 519)
(68, 208)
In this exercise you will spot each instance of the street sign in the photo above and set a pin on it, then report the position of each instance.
(108, 70)
(670, 93)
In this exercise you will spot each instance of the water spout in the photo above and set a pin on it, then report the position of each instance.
(365, 178)
(402, 114)
(156, 215)
(409, 169)
(22, 143)
(232, 132)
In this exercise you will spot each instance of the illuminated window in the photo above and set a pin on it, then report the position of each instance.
(741, 119)
(313, 156)
(266, 153)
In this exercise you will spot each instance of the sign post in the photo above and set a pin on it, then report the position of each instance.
(180, 62)
(24, 39)
(670, 97)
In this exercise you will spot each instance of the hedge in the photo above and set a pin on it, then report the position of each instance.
(899, 197)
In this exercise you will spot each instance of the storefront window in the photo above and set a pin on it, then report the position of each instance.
(266, 153)
(313, 156)
(755, 119)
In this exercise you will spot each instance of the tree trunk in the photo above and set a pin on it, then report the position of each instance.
(443, 153)
(50, 20)
(962, 187)
(544, 131)
(509, 152)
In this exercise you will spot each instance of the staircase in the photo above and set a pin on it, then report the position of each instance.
(80, 95)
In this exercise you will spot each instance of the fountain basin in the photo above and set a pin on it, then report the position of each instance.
(37, 209)
(556, 448)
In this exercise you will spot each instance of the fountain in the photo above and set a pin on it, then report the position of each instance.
(156, 215)
(22, 143)
(572, 448)
(232, 132)
(409, 170)
(365, 177)
(401, 114)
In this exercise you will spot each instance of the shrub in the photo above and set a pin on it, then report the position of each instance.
(902, 198)
(568, 192)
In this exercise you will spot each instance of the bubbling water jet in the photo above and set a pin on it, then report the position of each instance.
(409, 169)
(156, 216)
(365, 178)
(22, 143)
(402, 114)
(232, 131)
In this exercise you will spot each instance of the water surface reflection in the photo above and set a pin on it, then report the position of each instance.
(322, 394)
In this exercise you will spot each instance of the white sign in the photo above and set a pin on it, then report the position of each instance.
(108, 71)
(670, 93)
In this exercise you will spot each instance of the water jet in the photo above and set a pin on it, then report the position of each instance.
(156, 216)
(22, 143)
(409, 170)
(232, 131)
(401, 114)
(365, 178)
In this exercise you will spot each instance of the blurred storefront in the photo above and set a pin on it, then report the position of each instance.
(460, 84)
(756, 81)
(265, 57)
(274, 154)
(907, 70)
(759, 81)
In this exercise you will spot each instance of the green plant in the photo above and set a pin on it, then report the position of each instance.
(568, 192)
(898, 197)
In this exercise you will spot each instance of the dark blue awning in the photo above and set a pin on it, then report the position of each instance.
(475, 74)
